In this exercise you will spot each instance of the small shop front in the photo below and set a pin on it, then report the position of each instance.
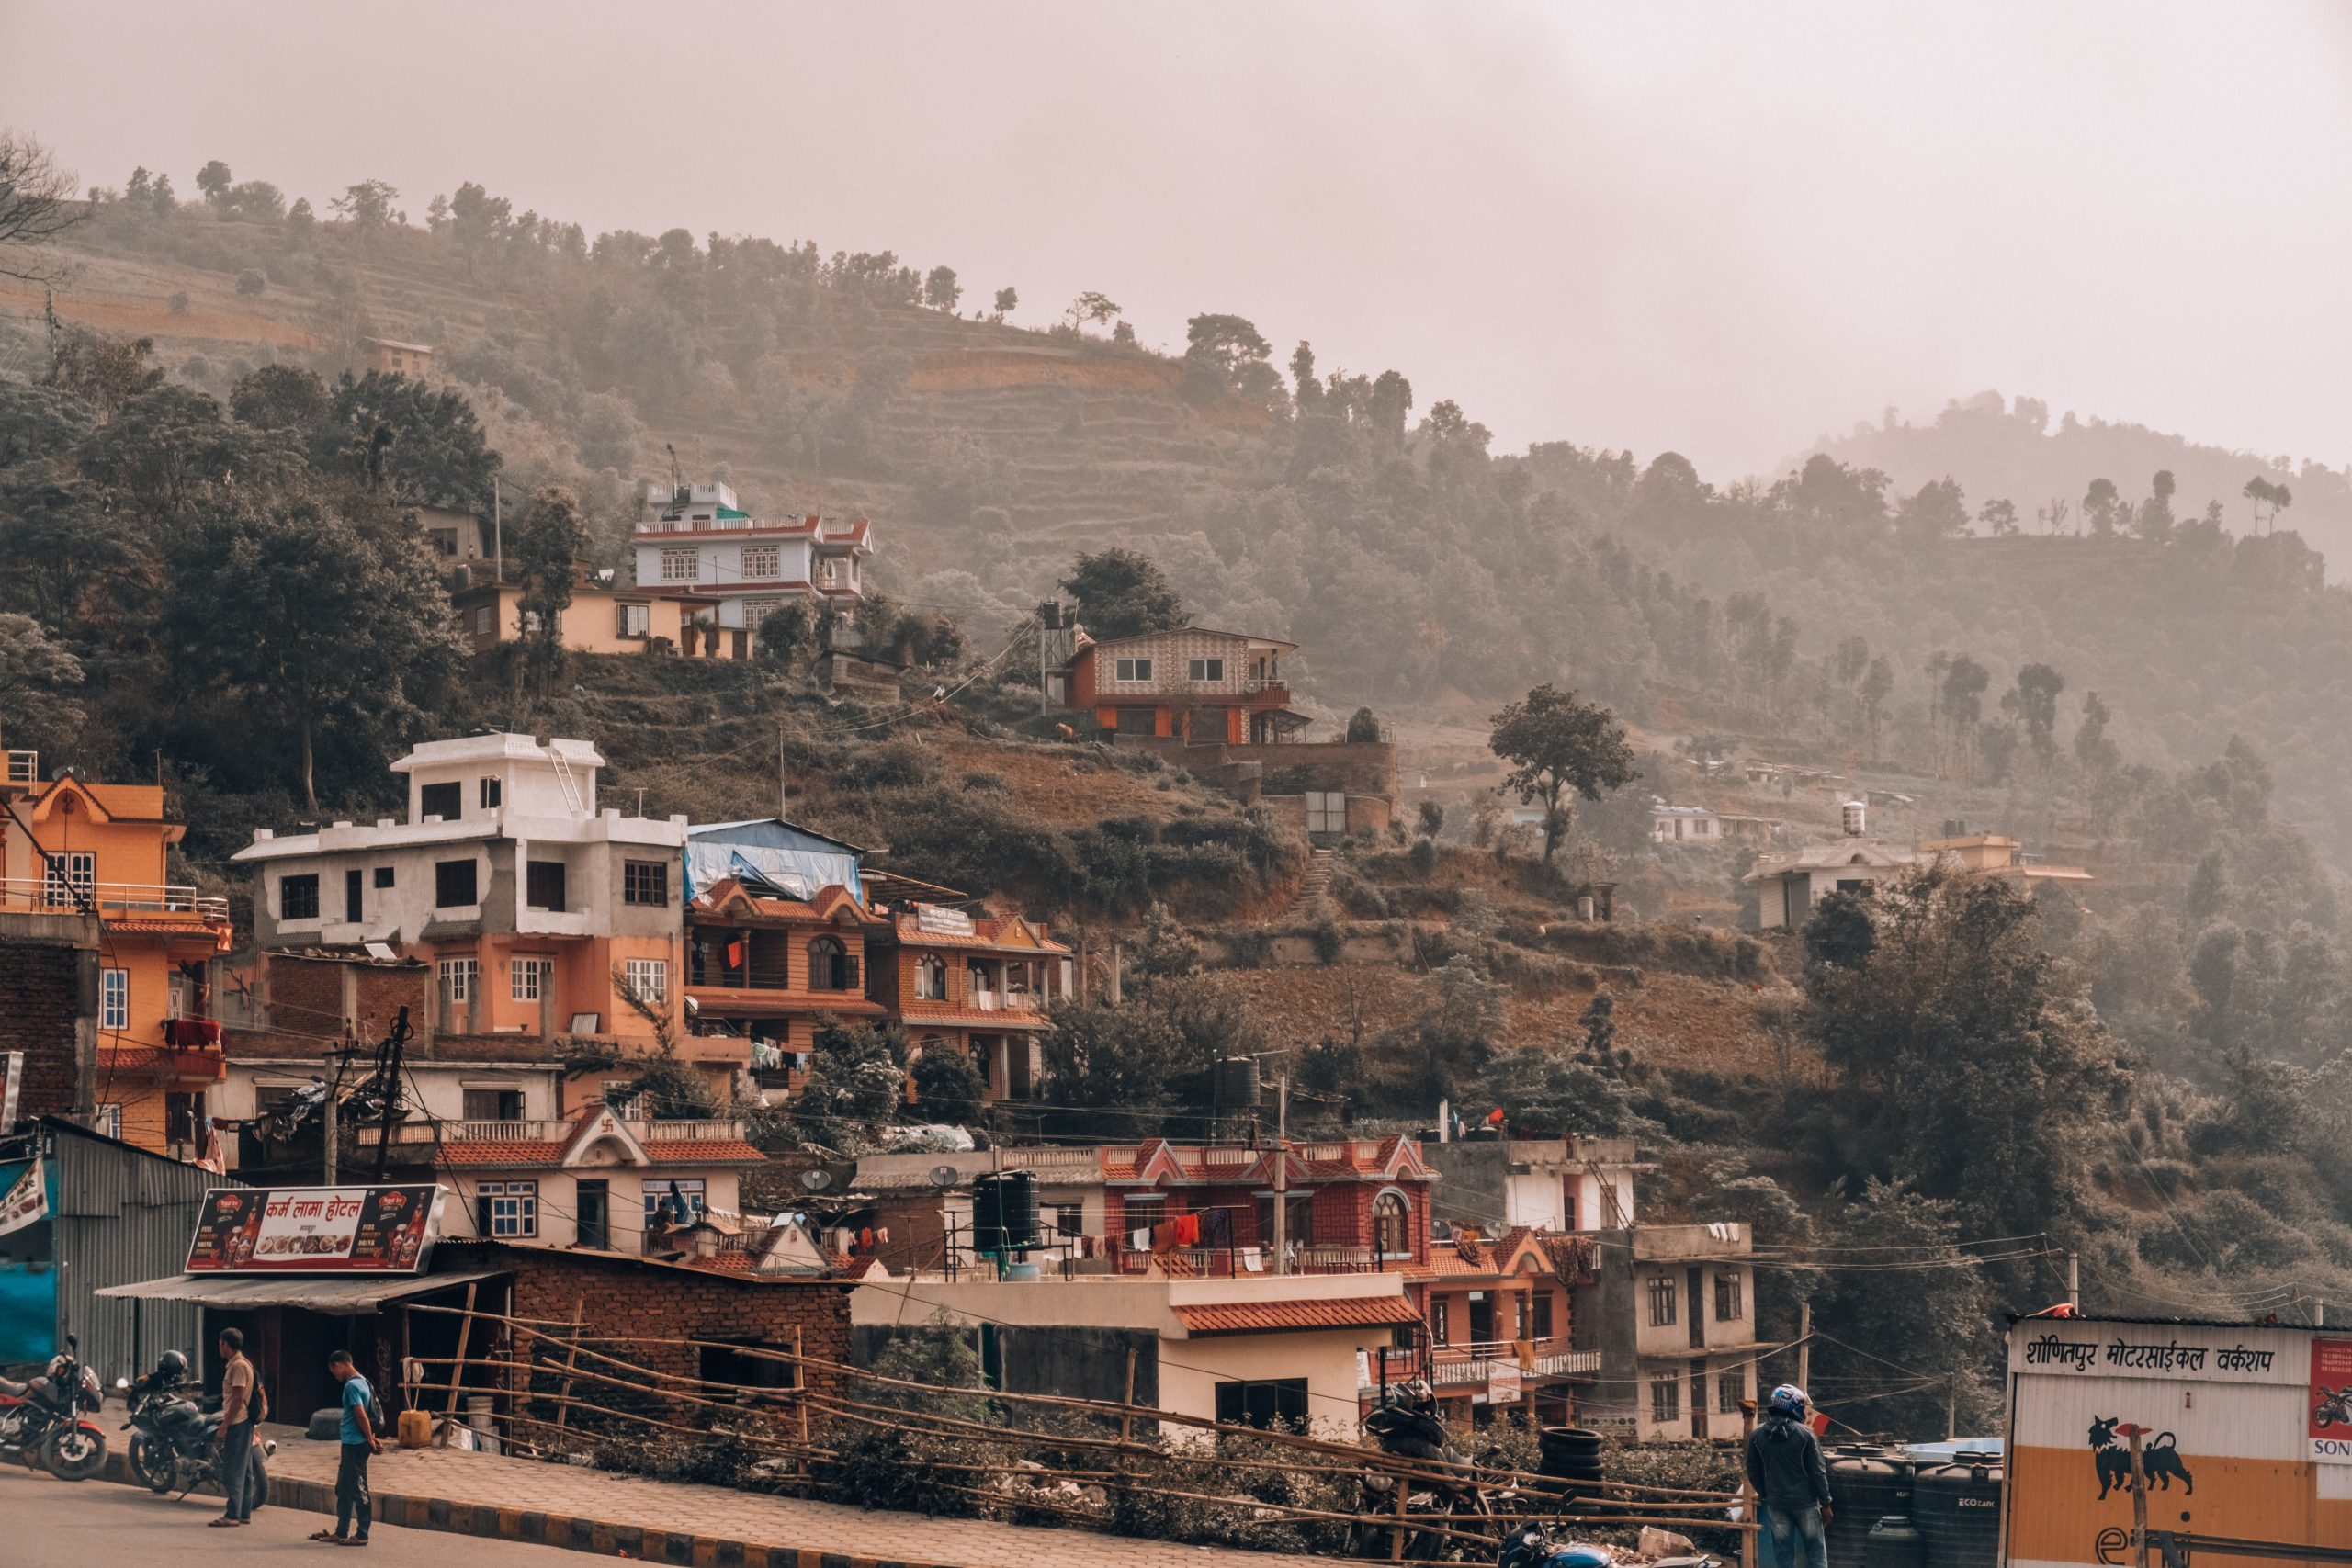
(303, 1272)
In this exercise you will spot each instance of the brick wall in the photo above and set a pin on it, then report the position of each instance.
(621, 1298)
(48, 1008)
(316, 997)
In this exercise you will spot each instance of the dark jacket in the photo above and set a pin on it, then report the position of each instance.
(1785, 1466)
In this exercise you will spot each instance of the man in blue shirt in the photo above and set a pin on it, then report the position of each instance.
(354, 1503)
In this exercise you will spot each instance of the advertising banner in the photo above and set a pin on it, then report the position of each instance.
(24, 1200)
(2328, 1413)
(314, 1230)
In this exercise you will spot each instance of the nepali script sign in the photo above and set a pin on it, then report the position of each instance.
(2192, 1352)
(314, 1230)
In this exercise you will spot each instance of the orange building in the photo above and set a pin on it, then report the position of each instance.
(1189, 683)
(974, 984)
(71, 847)
(766, 967)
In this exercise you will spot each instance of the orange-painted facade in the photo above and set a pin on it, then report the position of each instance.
(71, 847)
(769, 970)
(981, 991)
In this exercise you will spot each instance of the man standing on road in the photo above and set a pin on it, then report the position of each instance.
(1792, 1482)
(354, 1503)
(239, 1412)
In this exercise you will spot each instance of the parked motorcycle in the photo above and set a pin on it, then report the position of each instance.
(40, 1421)
(1407, 1426)
(2335, 1407)
(175, 1440)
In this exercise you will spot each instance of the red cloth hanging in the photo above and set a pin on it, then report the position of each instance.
(735, 954)
(1188, 1230)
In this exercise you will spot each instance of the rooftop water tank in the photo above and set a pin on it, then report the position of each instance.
(1958, 1509)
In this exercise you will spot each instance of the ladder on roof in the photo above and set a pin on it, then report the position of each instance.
(1617, 1219)
(569, 780)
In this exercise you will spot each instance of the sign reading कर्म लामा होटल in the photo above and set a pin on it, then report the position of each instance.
(339, 1229)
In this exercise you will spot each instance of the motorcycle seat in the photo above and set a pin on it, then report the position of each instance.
(13, 1390)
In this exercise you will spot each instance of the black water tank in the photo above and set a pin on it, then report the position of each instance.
(1958, 1509)
(1236, 1084)
(1864, 1485)
(1893, 1542)
(1004, 1211)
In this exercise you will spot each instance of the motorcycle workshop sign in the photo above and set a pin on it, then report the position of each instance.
(314, 1230)
(2329, 1412)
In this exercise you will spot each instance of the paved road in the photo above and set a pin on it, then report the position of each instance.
(49, 1524)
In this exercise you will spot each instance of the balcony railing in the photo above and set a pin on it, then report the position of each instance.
(24, 767)
(1241, 1262)
(542, 1132)
(50, 895)
(1477, 1366)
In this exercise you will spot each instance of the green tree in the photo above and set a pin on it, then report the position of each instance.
(1364, 728)
(308, 619)
(1107, 1068)
(422, 447)
(1544, 1095)
(38, 682)
(948, 1088)
(1092, 308)
(1119, 592)
(1999, 518)
(1556, 747)
(103, 372)
(281, 397)
(1008, 299)
(2102, 507)
(2263, 493)
(36, 205)
(368, 207)
(546, 549)
(1431, 818)
(2097, 753)
(940, 289)
(1927, 1296)
(214, 181)
(784, 632)
(2036, 691)
(1972, 1072)
(1457, 1028)
(857, 1078)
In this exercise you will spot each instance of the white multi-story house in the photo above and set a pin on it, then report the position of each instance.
(539, 913)
(698, 538)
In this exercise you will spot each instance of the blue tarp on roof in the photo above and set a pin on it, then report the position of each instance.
(795, 860)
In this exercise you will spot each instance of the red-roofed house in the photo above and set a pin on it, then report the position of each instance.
(72, 851)
(598, 1181)
(977, 984)
(767, 967)
(698, 540)
(1496, 1320)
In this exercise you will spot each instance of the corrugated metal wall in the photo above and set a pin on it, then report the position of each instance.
(123, 1216)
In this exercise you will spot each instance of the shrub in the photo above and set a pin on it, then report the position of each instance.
(250, 281)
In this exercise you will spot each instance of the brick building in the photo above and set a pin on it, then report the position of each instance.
(974, 984)
(49, 973)
(1497, 1334)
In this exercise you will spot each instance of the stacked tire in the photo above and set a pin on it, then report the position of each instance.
(1570, 1459)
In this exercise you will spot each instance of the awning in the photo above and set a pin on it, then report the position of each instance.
(345, 1296)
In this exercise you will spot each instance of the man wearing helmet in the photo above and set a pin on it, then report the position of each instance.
(1792, 1482)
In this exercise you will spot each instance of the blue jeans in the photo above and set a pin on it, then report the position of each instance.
(236, 1452)
(1793, 1537)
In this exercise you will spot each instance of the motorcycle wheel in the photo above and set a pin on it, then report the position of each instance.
(73, 1454)
(151, 1461)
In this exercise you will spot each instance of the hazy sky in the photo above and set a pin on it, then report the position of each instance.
(1721, 229)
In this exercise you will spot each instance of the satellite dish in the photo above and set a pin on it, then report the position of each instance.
(816, 1180)
(946, 1176)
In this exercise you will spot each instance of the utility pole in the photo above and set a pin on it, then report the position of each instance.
(1282, 1177)
(331, 1128)
(2074, 1280)
(1805, 1345)
(1044, 705)
(394, 1042)
(497, 533)
(779, 770)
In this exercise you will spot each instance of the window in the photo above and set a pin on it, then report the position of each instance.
(493, 1105)
(632, 620)
(183, 1114)
(1138, 721)
(757, 610)
(458, 977)
(762, 563)
(930, 979)
(1209, 670)
(1730, 1389)
(1666, 1399)
(681, 566)
(530, 978)
(831, 966)
(725, 1364)
(453, 885)
(1440, 1320)
(507, 1208)
(113, 998)
(444, 540)
(383, 876)
(297, 896)
(447, 801)
(543, 884)
(1134, 670)
(1539, 1323)
(690, 1189)
(493, 793)
(1482, 1319)
(108, 1121)
(1729, 1307)
(486, 620)
(645, 882)
(69, 880)
(1069, 1219)
(649, 978)
(355, 887)
(1392, 1227)
(1662, 1301)
(1276, 1400)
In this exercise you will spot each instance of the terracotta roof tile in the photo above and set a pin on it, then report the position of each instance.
(504, 1154)
(1262, 1318)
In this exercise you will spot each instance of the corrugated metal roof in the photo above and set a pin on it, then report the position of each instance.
(343, 1294)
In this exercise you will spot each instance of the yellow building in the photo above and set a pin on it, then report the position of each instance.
(71, 847)
(603, 617)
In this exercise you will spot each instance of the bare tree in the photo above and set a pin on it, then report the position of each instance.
(36, 203)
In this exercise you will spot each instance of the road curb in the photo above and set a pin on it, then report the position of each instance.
(601, 1537)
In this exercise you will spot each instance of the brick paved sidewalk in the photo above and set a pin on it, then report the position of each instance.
(709, 1526)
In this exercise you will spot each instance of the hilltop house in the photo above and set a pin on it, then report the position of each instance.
(82, 878)
(1789, 886)
(974, 984)
(1218, 704)
(542, 915)
(605, 615)
(698, 540)
(1704, 825)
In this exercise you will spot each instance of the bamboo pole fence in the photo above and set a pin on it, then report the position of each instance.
(589, 1386)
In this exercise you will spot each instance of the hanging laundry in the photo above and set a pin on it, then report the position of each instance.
(735, 953)
(1139, 1241)
(1188, 1230)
